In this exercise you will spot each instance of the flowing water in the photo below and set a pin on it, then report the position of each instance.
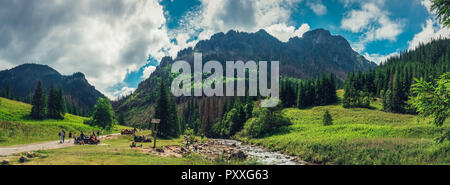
(261, 154)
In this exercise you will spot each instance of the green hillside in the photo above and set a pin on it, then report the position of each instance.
(359, 136)
(16, 126)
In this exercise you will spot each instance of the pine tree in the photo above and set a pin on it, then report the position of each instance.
(174, 125)
(61, 102)
(39, 109)
(53, 104)
(397, 93)
(327, 120)
(121, 118)
(166, 111)
(387, 101)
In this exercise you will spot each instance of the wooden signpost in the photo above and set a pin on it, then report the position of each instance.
(155, 130)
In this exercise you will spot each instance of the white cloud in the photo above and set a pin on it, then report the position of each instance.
(374, 22)
(102, 39)
(107, 39)
(284, 32)
(221, 15)
(431, 30)
(125, 91)
(317, 7)
(148, 71)
(427, 4)
(378, 58)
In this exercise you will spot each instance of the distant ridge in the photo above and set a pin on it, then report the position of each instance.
(23, 79)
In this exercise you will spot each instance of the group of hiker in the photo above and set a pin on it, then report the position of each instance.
(194, 145)
(128, 131)
(82, 138)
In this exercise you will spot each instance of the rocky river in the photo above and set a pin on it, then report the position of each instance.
(261, 154)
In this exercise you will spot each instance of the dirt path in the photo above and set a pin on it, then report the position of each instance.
(4, 151)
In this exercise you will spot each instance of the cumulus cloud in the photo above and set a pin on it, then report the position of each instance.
(108, 39)
(125, 91)
(373, 22)
(378, 58)
(221, 16)
(427, 4)
(102, 39)
(317, 7)
(284, 32)
(431, 30)
(148, 71)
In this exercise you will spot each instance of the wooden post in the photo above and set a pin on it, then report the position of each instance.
(155, 130)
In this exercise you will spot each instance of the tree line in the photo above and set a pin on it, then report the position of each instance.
(71, 108)
(306, 93)
(52, 106)
(392, 80)
(238, 111)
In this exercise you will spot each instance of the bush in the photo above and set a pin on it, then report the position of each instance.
(265, 122)
(327, 120)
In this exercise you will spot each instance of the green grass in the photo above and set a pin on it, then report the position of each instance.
(16, 126)
(359, 136)
(115, 152)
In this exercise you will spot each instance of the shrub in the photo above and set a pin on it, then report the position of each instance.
(327, 120)
(265, 121)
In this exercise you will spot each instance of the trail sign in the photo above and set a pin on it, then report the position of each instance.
(155, 130)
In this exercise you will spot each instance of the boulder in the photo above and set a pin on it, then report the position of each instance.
(238, 154)
(30, 154)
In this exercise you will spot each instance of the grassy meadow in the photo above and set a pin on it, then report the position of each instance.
(359, 136)
(16, 126)
(116, 152)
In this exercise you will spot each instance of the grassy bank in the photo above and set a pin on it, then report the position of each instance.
(359, 136)
(115, 152)
(16, 126)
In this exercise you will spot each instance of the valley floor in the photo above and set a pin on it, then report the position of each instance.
(117, 152)
(359, 136)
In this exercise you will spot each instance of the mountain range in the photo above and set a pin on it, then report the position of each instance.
(22, 81)
(315, 53)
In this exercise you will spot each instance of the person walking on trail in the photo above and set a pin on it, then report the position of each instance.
(74, 138)
(61, 135)
(70, 135)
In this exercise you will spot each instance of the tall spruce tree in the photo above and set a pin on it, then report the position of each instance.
(39, 109)
(173, 121)
(166, 111)
(53, 111)
(61, 102)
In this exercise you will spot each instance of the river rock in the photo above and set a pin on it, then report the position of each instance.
(30, 154)
(239, 154)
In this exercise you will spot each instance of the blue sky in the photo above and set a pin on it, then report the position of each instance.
(117, 44)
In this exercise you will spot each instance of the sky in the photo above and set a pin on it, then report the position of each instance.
(117, 44)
